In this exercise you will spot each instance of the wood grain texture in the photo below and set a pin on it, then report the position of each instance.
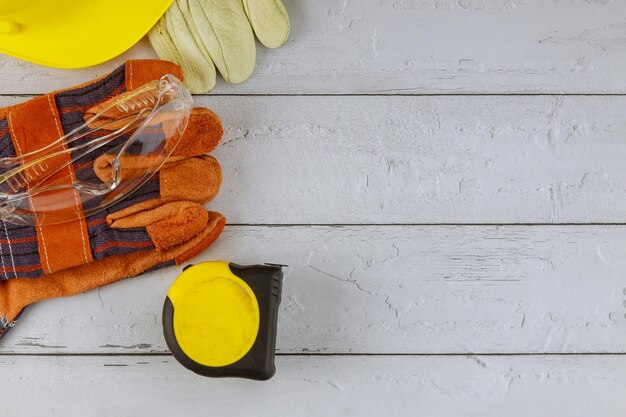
(416, 46)
(390, 289)
(319, 386)
(360, 160)
(364, 160)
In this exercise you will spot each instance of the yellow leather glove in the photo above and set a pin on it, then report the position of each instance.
(200, 35)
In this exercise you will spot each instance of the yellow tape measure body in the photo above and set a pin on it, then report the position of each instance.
(219, 319)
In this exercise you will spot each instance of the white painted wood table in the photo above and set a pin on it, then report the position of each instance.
(446, 181)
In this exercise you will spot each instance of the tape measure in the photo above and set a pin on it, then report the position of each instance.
(220, 319)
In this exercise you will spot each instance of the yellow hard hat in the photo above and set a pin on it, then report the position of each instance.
(74, 34)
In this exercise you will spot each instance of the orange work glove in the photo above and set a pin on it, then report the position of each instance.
(163, 223)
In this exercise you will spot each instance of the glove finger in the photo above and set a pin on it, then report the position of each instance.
(167, 225)
(227, 36)
(204, 132)
(179, 228)
(194, 179)
(172, 38)
(184, 252)
(162, 43)
(197, 66)
(269, 20)
(185, 10)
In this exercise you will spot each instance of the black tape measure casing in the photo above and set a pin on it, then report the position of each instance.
(210, 314)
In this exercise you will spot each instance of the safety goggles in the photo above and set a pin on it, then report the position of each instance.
(99, 163)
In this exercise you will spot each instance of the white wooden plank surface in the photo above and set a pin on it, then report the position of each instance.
(384, 290)
(319, 386)
(375, 288)
(417, 46)
(362, 160)
(422, 159)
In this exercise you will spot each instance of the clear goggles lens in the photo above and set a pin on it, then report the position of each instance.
(101, 162)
